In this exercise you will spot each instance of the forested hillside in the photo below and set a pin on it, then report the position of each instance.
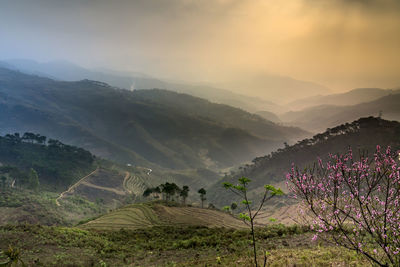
(57, 165)
(362, 136)
(146, 128)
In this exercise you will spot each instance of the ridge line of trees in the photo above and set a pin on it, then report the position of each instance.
(172, 192)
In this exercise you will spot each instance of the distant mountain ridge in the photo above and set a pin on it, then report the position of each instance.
(66, 71)
(352, 97)
(143, 127)
(319, 118)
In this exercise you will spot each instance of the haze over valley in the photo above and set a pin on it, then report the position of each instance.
(199, 133)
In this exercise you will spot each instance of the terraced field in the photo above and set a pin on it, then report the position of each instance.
(112, 187)
(137, 216)
(134, 184)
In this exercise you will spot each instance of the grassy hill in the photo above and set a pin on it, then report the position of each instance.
(137, 216)
(147, 128)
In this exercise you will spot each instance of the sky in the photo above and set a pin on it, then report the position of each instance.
(341, 44)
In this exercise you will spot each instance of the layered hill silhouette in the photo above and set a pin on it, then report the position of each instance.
(66, 71)
(352, 97)
(144, 127)
(321, 117)
(362, 135)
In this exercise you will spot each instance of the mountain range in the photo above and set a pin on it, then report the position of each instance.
(67, 71)
(320, 117)
(141, 127)
(352, 97)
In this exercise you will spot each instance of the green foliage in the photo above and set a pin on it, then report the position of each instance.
(227, 185)
(274, 191)
(26, 206)
(244, 181)
(56, 164)
(244, 216)
(158, 246)
(226, 208)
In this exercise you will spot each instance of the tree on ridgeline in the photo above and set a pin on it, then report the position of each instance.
(30, 137)
(156, 192)
(168, 190)
(147, 192)
(203, 198)
(354, 203)
(233, 206)
(40, 139)
(184, 193)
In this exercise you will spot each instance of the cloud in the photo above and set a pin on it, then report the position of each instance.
(341, 43)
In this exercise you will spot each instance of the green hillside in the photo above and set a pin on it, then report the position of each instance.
(58, 165)
(146, 128)
(361, 135)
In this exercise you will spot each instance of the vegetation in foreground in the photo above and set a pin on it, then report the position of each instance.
(26, 206)
(170, 246)
(360, 197)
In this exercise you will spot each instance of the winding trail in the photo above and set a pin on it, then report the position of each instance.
(127, 176)
(110, 189)
(74, 186)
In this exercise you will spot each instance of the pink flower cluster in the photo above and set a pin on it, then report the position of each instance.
(354, 200)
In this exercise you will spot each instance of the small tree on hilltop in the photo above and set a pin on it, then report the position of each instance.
(241, 190)
(233, 206)
(148, 192)
(169, 189)
(203, 198)
(356, 202)
(184, 193)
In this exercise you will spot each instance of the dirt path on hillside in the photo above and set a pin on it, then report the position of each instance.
(116, 191)
(74, 186)
(127, 176)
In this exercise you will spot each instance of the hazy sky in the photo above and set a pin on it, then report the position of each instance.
(339, 43)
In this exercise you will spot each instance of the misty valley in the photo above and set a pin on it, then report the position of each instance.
(199, 133)
(143, 177)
